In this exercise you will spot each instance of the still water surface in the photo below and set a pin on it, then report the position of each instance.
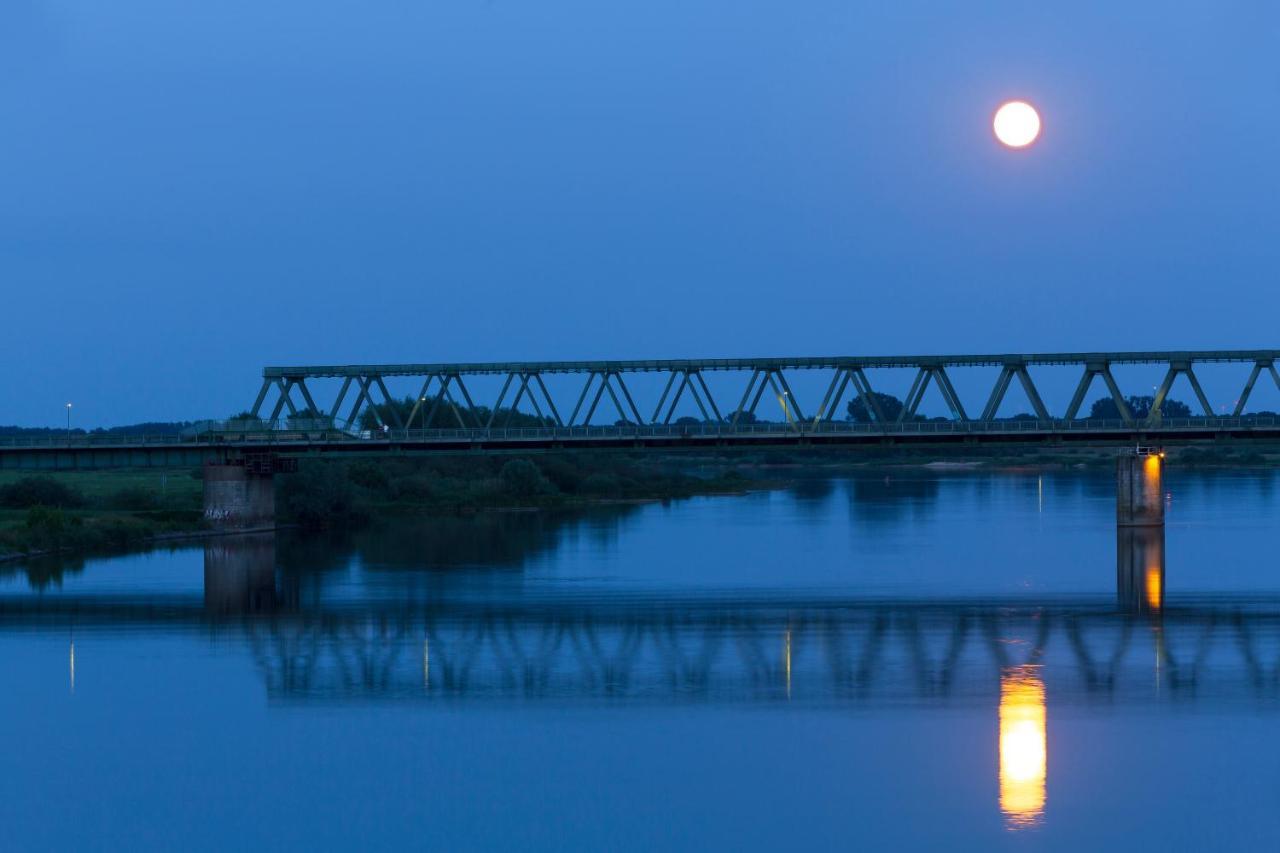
(895, 661)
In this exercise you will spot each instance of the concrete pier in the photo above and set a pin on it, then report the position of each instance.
(236, 497)
(1140, 488)
(1140, 568)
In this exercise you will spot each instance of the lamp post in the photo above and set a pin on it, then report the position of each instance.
(423, 405)
(68, 420)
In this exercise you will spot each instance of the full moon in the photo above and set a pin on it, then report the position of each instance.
(1017, 124)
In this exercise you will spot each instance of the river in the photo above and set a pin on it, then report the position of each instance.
(902, 659)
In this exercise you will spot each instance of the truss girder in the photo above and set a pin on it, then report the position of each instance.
(607, 385)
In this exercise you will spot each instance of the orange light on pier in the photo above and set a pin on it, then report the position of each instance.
(1023, 746)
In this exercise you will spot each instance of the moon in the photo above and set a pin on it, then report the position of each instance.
(1016, 124)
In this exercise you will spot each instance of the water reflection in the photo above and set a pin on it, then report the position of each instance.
(1140, 568)
(1023, 746)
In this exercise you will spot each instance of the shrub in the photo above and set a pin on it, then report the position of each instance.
(603, 485)
(39, 491)
(368, 474)
(319, 495)
(133, 498)
(46, 527)
(521, 478)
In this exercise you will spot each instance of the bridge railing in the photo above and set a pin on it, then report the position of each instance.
(323, 431)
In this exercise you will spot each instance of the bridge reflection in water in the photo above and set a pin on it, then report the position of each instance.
(1014, 656)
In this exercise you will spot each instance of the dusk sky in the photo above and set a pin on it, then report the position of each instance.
(192, 190)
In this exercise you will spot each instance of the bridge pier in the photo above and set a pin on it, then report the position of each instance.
(240, 495)
(1140, 488)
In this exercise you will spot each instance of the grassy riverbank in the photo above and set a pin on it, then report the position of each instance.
(112, 511)
(95, 511)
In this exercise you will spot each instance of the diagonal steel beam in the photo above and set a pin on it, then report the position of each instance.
(502, 395)
(306, 396)
(1162, 392)
(863, 384)
(916, 394)
(622, 386)
(1121, 405)
(795, 404)
(604, 382)
(364, 394)
(1200, 395)
(949, 394)
(751, 384)
(342, 395)
(666, 389)
(675, 400)
(418, 401)
(284, 399)
(261, 398)
(711, 401)
(697, 398)
(997, 394)
(573, 418)
(391, 404)
(551, 404)
(840, 374)
(1033, 396)
(466, 396)
(1248, 389)
(1073, 408)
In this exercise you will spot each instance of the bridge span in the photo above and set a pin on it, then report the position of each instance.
(601, 408)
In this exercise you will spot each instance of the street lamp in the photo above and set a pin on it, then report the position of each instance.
(68, 420)
(423, 405)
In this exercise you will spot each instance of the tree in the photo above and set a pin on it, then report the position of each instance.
(1139, 406)
(890, 406)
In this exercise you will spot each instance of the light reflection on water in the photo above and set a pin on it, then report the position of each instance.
(1023, 746)
(839, 607)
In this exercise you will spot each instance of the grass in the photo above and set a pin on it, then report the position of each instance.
(169, 485)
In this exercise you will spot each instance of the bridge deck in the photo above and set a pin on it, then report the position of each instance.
(55, 453)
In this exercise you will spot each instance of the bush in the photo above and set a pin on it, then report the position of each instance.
(369, 475)
(319, 495)
(563, 474)
(417, 487)
(521, 478)
(46, 527)
(602, 485)
(39, 491)
(132, 498)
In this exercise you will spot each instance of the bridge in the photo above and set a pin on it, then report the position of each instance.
(287, 419)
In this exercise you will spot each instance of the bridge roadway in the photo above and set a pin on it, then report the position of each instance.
(228, 444)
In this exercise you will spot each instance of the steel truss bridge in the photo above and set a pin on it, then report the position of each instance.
(817, 652)
(291, 417)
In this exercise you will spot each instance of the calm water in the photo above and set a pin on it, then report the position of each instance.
(919, 661)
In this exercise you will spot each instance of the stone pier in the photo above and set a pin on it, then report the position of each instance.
(1140, 488)
(239, 497)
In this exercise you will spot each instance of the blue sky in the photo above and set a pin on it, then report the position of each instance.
(191, 190)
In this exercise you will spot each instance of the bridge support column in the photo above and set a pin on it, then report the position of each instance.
(1140, 488)
(239, 496)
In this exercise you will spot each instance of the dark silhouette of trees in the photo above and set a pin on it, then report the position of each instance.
(1139, 406)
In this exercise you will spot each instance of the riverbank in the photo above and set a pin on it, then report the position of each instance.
(95, 512)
